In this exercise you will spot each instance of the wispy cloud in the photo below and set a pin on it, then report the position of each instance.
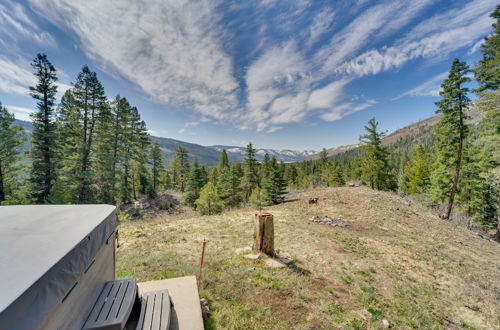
(321, 24)
(339, 111)
(434, 37)
(15, 77)
(429, 88)
(476, 47)
(181, 52)
(16, 25)
(172, 50)
(20, 113)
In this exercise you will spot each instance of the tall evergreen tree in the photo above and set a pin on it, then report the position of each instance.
(181, 167)
(43, 137)
(416, 172)
(157, 167)
(89, 101)
(194, 183)
(250, 178)
(374, 164)
(235, 197)
(487, 73)
(274, 185)
(223, 161)
(11, 141)
(451, 132)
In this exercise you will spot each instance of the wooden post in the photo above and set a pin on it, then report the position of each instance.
(264, 234)
(202, 258)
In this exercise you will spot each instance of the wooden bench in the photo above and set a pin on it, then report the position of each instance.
(113, 306)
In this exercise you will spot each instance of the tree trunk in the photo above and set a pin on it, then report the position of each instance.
(2, 191)
(457, 168)
(264, 234)
(497, 235)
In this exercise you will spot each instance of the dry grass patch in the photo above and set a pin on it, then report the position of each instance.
(394, 261)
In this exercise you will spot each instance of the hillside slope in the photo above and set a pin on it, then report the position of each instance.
(411, 134)
(394, 261)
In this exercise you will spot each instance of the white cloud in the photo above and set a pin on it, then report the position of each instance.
(173, 50)
(327, 96)
(177, 52)
(20, 113)
(320, 25)
(429, 88)
(477, 46)
(16, 25)
(274, 82)
(435, 37)
(15, 78)
(342, 110)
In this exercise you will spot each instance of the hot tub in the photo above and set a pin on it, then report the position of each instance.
(53, 260)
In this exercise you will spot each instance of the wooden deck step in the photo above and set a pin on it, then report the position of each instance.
(155, 311)
(113, 306)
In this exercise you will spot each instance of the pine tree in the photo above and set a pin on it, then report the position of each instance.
(416, 177)
(181, 167)
(475, 195)
(487, 74)
(209, 202)
(258, 198)
(236, 194)
(337, 174)
(265, 167)
(157, 167)
(11, 141)
(451, 132)
(223, 161)
(136, 143)
(374, 163)
(194, 183)
(291, 176)
(274, 185)
(120, 113)
(250, 178)
(224, 184)
(43, 149)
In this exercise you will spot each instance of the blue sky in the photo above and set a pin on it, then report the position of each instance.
(282, 74)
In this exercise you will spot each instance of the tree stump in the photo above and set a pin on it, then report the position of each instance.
(264, 234)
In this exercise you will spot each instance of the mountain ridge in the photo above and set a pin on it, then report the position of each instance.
(209, 155)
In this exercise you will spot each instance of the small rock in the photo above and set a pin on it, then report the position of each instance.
(285, 261)
(243, 250)
(356, 268)
(386, 323)
(252, 256)
(274, 263)
(205, 311)
(366, 314)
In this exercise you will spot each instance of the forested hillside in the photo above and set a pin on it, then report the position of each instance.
(87, 148)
